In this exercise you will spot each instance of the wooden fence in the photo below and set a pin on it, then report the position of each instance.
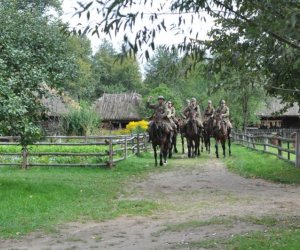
(284, 132)
(284, 148)
(112, 149)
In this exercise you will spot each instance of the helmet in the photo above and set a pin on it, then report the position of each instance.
(160, 98)
(222, 101)
(193, 99)
(209, 102)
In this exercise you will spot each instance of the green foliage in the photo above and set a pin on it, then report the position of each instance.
(43, 197)
(32, 53)
(112, 75)
(254, 164)
(82, 121)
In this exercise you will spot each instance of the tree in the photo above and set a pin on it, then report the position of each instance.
(112, 75)
(32, 54)
(271, 26)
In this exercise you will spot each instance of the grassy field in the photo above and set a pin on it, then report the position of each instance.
(40, 198)
(254, 164)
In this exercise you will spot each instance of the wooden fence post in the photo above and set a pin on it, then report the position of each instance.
(145, 142)
(253, 141)
(266, 142)
(138, 143)
(125, 148)
(288, 147)
(110, 153)
(132, 144)
(297, 150)
(279, 147)
(25, 158)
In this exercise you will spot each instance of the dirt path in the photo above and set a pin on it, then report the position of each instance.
(202, 201)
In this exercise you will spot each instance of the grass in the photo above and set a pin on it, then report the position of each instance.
(282, 235)
(253, 164)
(40, 198)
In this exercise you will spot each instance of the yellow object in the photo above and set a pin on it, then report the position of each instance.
(137, 127)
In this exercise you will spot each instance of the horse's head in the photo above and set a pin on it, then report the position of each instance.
(219, 123)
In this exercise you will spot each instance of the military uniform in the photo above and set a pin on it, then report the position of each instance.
(161, 110)
(225, 112)
(209, 111)
(196, 109)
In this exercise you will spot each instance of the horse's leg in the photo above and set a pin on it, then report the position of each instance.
(155, 153)
(174, 143)
(208, 144)
(223, 141)
(217, 153)
(229, 142)
(161, 156)
(170, 147)
(188, 144)
(165, 153)
(182, 143)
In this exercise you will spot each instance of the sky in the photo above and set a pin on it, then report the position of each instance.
(167, 38)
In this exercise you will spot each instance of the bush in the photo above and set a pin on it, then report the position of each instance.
(82, 121)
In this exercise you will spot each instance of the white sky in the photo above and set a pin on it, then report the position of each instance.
(162, 38)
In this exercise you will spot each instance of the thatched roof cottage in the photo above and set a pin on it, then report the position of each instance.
(118, 109)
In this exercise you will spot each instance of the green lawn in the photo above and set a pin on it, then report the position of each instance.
(39, 198)
(253, 164)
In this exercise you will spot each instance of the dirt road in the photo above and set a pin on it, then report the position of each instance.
(200, 200)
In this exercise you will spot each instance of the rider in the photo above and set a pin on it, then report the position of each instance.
(171, 115)
(224, 111)
(193, 107)
(209, 111)
(161, 110)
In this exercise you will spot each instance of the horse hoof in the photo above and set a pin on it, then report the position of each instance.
(165, 164)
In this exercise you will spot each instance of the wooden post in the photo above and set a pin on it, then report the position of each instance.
(138, 143)
(266, 142)
(297, 150)
(132, 143)
(243, 139)
(110, 153)
(125, 148)
(279, 147)
(145, 142)
(288, 147)
(25, 158)
(253, 141)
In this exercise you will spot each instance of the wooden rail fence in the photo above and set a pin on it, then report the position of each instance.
(112, 149)
(284, 148)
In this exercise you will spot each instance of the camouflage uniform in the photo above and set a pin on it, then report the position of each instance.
(225, 112)
(171, 116)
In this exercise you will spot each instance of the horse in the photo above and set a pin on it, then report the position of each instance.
(221, 134)
(173, 146)
(192, 135)
(207, 133)
(181, 131)
(161, 138)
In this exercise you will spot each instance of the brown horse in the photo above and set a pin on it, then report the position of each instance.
(173, 146)
(192, 135)
(207, 133)
(221, 134)
(180, 130)
(160, 138)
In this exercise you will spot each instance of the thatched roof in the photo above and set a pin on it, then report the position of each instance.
(118, 107)
(275, 107)
(58, 104)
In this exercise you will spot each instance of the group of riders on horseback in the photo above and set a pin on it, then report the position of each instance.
(164, 126)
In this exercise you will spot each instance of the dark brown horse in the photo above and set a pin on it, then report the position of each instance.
(160, 138)
(180, 130)
(207, 133)
(173, 146)
(221, 134)
(193, 135)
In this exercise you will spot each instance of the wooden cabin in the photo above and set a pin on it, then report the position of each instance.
(276, 114)
(117, 110)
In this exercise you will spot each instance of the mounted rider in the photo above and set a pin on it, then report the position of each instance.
(193, 107)
(171, 115)
(224, 111)
(209, 111)
(161, 112)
